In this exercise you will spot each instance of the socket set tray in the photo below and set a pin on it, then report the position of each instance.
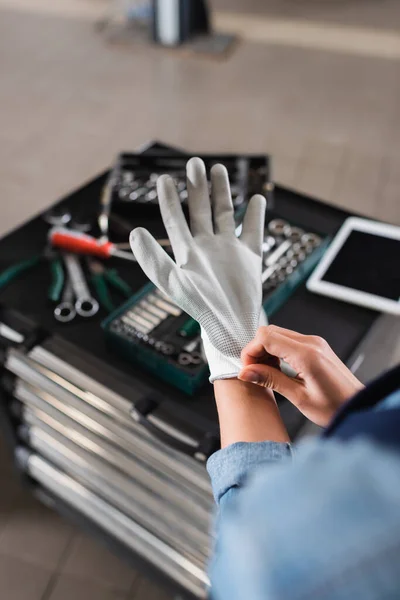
(152, 331)
(134, 178)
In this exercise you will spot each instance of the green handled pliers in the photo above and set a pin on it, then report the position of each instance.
(9, 274)
(57, 272)
(102, 279)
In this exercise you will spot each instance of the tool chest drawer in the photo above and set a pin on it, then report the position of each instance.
(109, 444)
(76, 438)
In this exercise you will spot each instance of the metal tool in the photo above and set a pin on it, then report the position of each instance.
(192, 345)
(278, 253)
(167, 349)
(276, 227)
(106, 200)
(149, 316)
(268, 243)
(293, 233)
(57, 216)
(85, 304)
(298, 252)
(308, 248)
(65, 311)
(145, 325)
(186, 359)
(270, 285)
(311, 238)
(128, 320)
(267, 274)
(164, 305)
(197, 359)
(10, 334)
(162, 314)
(283, 261)
(166, 298)
(81, 243)
(102, 279)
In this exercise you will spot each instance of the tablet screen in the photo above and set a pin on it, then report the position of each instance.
(368, 263)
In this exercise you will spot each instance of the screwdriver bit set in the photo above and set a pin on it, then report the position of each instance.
(135, 177)
(156, 334)
(152, 331)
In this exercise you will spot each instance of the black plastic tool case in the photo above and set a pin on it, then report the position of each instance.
(160, 414)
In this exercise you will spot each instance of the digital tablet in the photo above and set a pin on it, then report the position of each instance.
(362, 266)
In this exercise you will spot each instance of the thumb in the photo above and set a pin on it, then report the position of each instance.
(270, 378)
(154, 261)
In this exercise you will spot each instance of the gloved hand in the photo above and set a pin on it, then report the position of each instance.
(216, 278)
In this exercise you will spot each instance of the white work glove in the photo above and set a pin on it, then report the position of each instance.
(216, 278)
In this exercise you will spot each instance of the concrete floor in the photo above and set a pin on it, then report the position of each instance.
(69, 102)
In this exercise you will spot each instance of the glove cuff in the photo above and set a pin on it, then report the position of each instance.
(221, 366)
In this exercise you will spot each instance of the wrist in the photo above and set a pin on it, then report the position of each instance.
(247, 413)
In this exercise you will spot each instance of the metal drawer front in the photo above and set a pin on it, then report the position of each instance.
(41, 376)
(146, 509)
(103, 398)
(191, 475)
(160, 554)
(155, 481)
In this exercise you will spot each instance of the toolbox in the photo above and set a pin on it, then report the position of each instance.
(106, 443)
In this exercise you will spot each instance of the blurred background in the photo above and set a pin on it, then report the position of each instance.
(316, 83)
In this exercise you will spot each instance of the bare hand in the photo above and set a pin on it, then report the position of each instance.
(323, 382)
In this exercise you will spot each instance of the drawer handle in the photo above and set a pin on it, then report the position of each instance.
(143, 413)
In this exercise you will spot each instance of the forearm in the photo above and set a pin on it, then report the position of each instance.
(247, 413)
(252, 433)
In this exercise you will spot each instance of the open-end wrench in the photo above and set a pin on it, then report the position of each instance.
(85, 304)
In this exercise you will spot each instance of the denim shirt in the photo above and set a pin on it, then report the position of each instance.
(321, 522)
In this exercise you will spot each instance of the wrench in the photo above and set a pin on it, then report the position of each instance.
(65, 311)
(85, 305)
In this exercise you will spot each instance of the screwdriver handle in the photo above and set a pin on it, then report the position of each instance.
(80, 243)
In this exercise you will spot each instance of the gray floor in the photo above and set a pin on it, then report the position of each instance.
(69, 102)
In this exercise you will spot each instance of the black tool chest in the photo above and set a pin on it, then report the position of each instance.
(110, 446)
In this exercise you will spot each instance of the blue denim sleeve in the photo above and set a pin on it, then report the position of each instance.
(325, 525)
(229, 467)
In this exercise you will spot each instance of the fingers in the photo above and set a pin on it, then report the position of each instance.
(253, 224)
(154, 261)
(270, 341)
(273, 379)
(198, 197)
(221, 200)
(288, 332)
(173, 218)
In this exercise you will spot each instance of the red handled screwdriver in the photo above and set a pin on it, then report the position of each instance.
(81, 243)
